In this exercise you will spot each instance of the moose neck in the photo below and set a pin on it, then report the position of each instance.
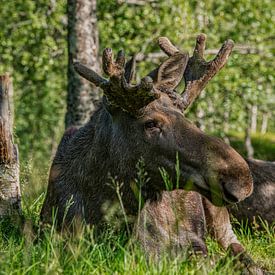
(104, 166)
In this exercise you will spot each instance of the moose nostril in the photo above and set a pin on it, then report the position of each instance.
(228, 195)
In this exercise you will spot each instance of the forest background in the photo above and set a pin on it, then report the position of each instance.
(237, 105)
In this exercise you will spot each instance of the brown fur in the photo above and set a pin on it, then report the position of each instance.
(181, 220)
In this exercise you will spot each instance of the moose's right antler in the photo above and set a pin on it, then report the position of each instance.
(198, 71)
(118, 88)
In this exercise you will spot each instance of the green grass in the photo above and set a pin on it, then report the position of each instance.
(110, 253)
(264, 145)
(26, 250)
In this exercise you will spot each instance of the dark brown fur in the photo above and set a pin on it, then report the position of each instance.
(181, 220)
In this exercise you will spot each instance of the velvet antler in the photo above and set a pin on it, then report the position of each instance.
(118, 88)
(198, 71)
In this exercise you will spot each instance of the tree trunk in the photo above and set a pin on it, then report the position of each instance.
(254, 113)
(83, 97)
(247, 142)
(264, 123)
(226, 118)
(10, 198)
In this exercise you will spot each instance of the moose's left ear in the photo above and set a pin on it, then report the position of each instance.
(170, 72)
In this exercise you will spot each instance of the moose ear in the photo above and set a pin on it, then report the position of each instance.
(170, 72)
(130, 69)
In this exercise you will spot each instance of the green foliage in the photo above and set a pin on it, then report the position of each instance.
(33, 50)
(248, 78)
(264, 145)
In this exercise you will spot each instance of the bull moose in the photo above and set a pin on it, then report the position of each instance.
(145, 121)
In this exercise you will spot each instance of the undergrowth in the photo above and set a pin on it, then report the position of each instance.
(26, 249)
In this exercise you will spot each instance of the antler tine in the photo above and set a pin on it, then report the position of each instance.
(145, 84)
(130, 69)
(107, 61)
(220, 60)
(89, 74)
(120, 60)
(167, 46)
(111, 68)
(200, 45)
(199, 72)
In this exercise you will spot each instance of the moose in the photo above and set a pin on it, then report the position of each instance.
(146, 121)
(143, 120)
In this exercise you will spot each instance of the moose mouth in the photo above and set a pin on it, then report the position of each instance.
(217, 194)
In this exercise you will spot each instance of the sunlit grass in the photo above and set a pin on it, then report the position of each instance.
(264, 145)
(28, 250)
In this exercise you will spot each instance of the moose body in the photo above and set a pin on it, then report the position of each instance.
(179, 222)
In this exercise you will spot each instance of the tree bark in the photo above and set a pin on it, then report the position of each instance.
(83, 97)
(254, 113)
(264, 123)
(10, 197)
(247, 139)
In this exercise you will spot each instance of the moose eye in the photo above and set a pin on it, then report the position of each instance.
(150, 124)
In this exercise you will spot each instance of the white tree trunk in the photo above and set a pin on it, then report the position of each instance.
(264, 123)
(83, 97)
(247, 139)
(254, 112)
(10, 197)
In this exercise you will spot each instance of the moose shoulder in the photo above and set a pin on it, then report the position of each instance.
(143, 121)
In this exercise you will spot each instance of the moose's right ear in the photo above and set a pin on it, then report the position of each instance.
(170, 72)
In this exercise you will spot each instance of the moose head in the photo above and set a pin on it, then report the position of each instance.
(147, 120)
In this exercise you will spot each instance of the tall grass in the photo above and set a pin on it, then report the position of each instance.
(28, 250)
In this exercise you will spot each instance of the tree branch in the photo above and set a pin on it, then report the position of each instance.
(240, 49)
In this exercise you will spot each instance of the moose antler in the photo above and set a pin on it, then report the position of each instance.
(118, 88)
(198, 71)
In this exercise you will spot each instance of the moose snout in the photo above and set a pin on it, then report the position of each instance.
(237, 184)
(229, 196)
(238, 189)
(228, 173)
(233, 194)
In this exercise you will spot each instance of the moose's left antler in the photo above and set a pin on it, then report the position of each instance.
(118, 89)
(198, 71)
